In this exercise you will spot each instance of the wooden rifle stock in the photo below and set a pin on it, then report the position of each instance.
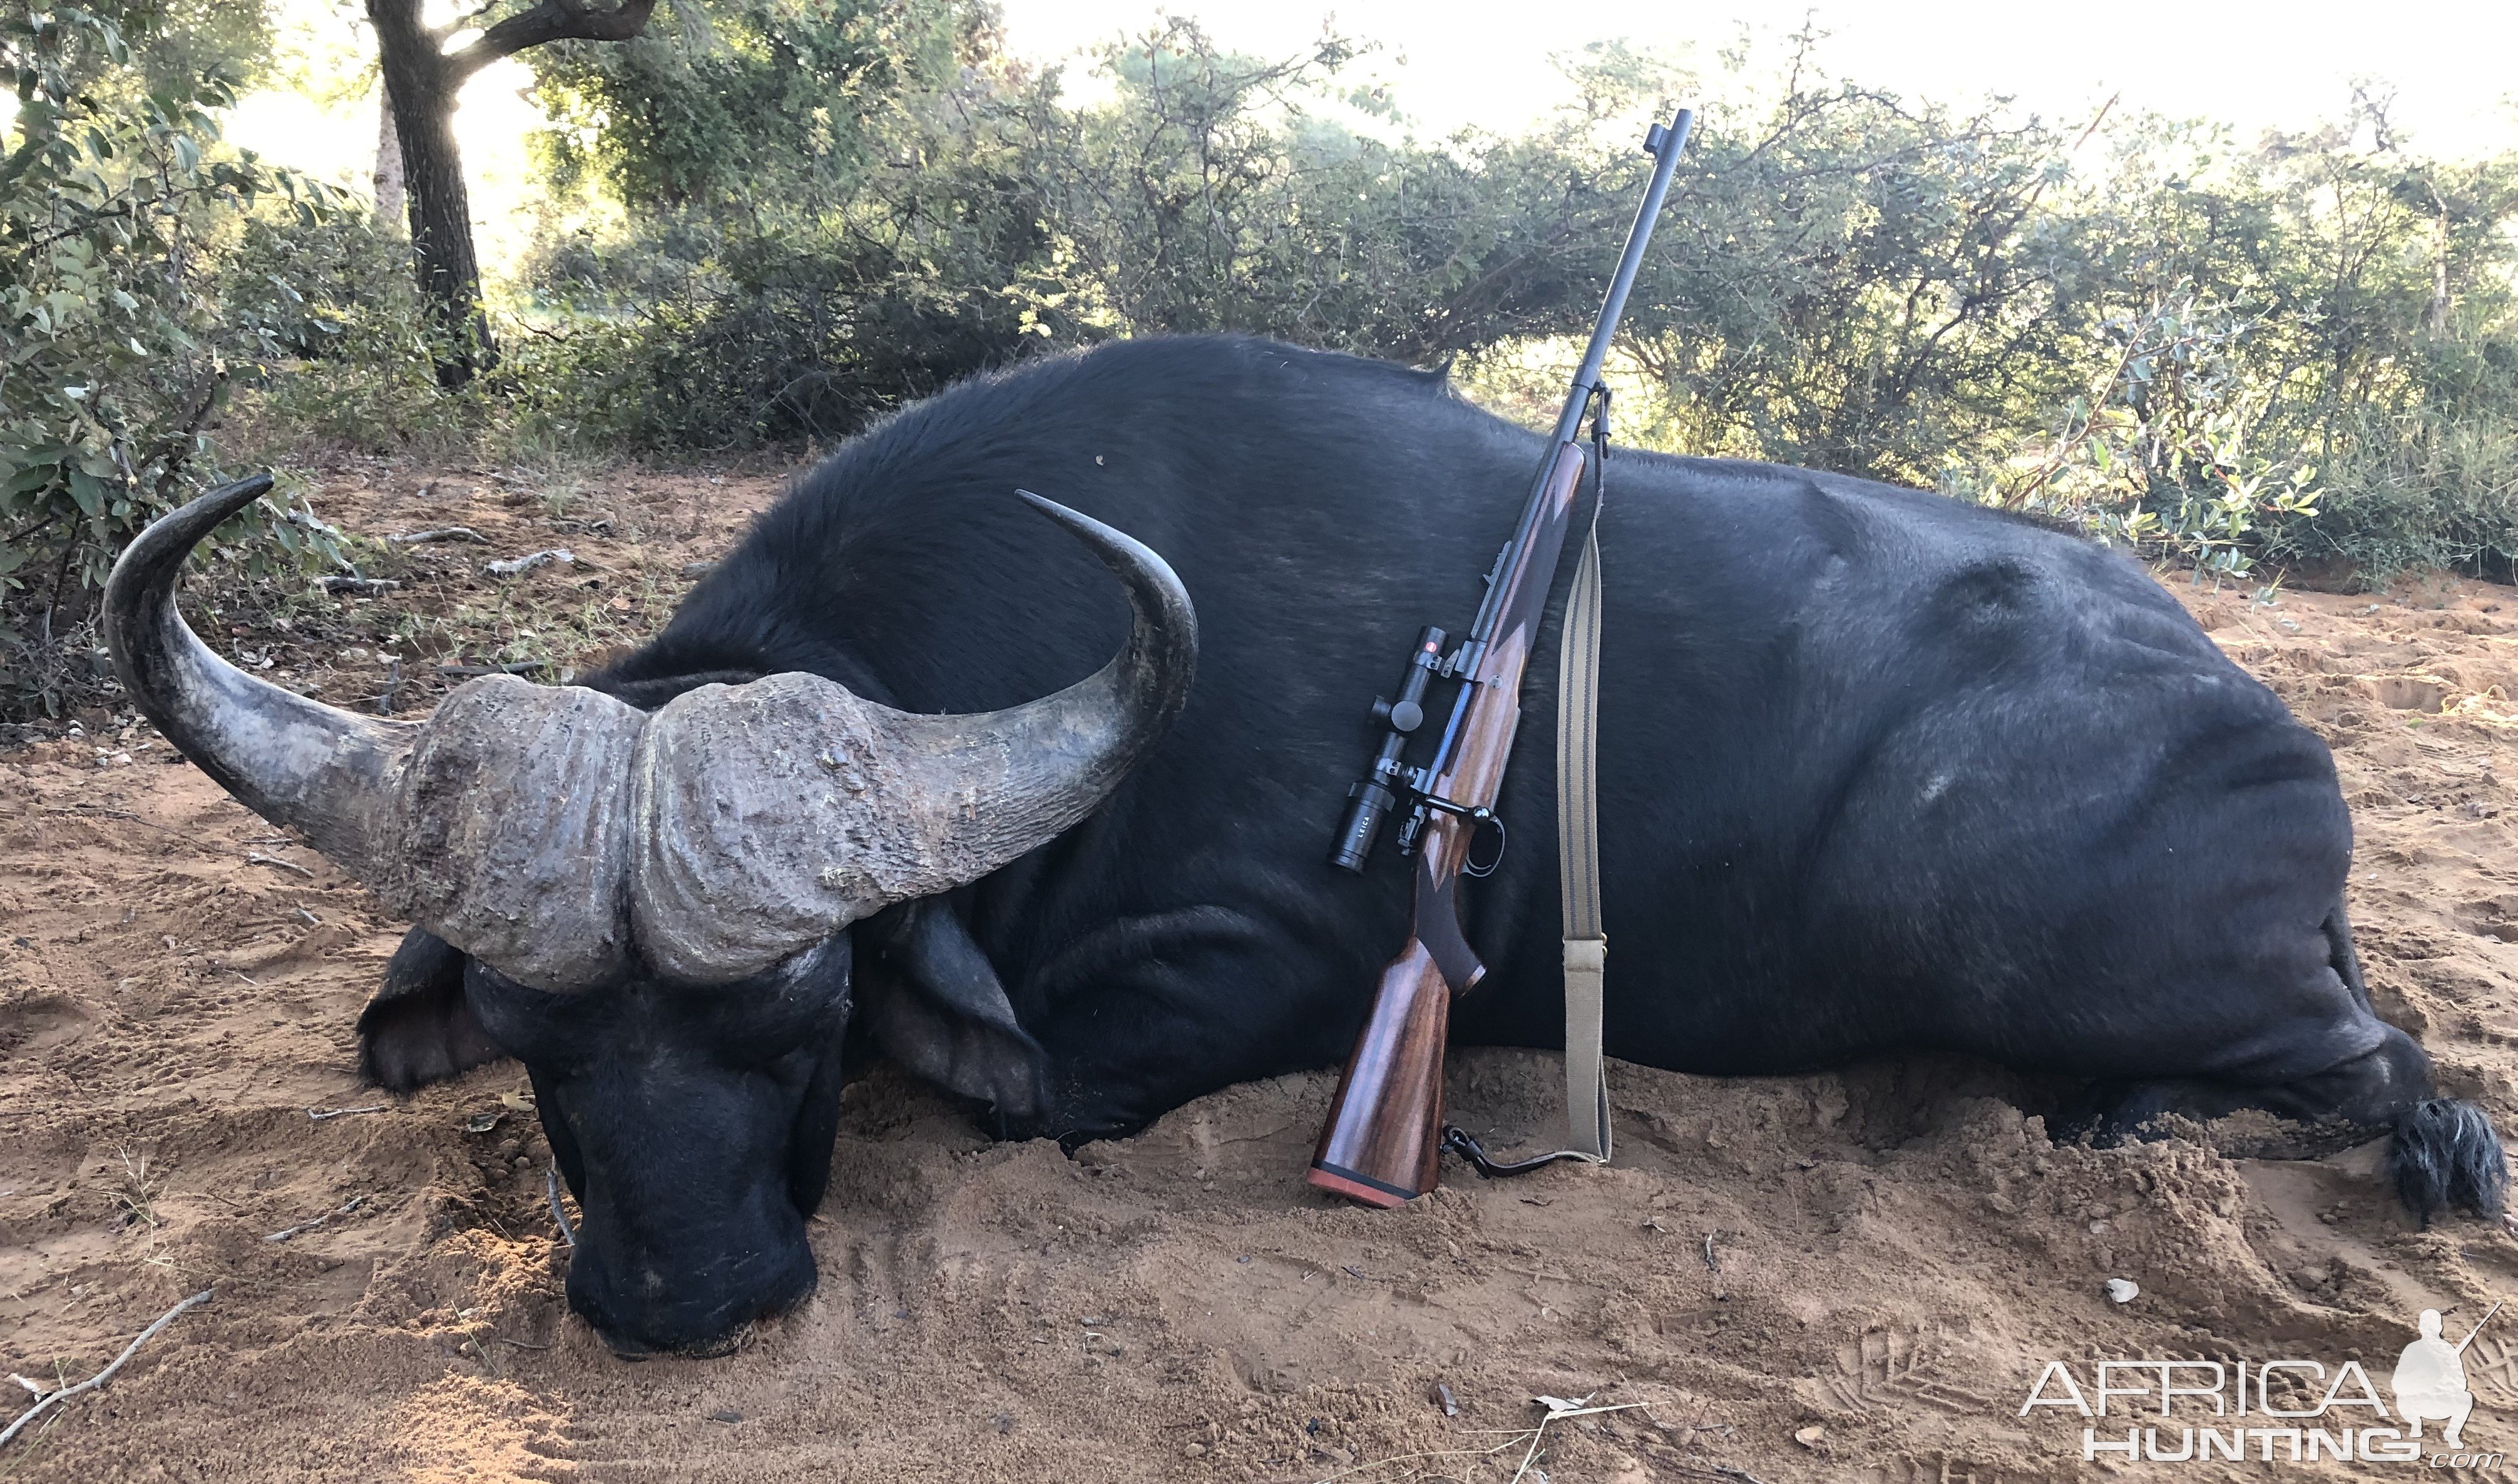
(1385, 1134)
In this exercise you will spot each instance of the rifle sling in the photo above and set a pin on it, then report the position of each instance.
(1578, 864)
(1578, 837)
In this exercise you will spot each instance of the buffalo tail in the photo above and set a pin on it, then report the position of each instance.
(2447, 1155)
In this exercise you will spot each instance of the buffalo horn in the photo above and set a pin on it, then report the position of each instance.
(810, 807)
(538, 828)
(292, 760)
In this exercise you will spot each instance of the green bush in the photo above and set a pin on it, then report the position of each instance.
(116, 358)
(341, 347)
(782, 220)
(806, 333)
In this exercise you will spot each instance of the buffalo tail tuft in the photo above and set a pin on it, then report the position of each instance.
(2445, 1155)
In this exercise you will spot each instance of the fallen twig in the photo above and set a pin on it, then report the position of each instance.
(256, 858)
(99, 810)
(1558, 1407)
(1710, 1261)
(1714, 1471)
(322, 1114)
(527, 563)
(352, 1204)
(1557, 1410)
(557, 1214)
(441, 533)
(46, 1402)
(520, 667)
(1410, 1458)
(364, 587)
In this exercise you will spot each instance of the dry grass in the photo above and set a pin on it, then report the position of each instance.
(135, 1194)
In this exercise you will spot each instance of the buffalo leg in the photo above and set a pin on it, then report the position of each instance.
(420, 1028)
(2445, 1152)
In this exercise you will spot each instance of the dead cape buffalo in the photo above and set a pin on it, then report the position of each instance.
(1878, 771)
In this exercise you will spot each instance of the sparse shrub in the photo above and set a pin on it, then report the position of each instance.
(2432, 484)
(135, 1191)
(2213, 353)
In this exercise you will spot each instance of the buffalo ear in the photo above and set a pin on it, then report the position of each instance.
(420, 1028)
(817, 1121)
(934, 1002)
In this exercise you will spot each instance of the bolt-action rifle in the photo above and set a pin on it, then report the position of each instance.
(1384, 1135)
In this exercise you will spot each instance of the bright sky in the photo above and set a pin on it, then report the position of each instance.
(2255, 64)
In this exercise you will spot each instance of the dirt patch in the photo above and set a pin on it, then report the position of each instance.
(1850, 1276)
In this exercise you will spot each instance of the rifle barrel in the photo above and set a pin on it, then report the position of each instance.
(1614, 308)
(2478, 1325)
(1674, 142)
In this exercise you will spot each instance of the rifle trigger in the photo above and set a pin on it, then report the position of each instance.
(1479, 817)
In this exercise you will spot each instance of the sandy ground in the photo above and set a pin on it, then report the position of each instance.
(1856, 1276)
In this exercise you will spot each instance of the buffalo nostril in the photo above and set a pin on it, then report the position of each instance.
(661, 1310)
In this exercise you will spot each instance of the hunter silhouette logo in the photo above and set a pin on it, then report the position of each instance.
(2286, 1411)
(2430, 1378)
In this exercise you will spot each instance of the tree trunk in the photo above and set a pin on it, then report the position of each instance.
(390, 205)
(420, 87)
(421, 83)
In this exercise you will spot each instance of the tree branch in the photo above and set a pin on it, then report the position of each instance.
(45, 1402)
(552, 21)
